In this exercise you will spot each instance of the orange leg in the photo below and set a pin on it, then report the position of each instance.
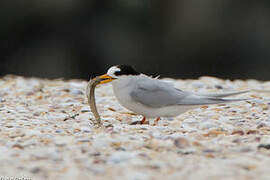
(143, 120)
(156, 121)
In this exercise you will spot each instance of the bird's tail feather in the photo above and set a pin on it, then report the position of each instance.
(224, 94)
(203, 100)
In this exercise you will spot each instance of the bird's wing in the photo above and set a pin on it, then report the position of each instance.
(155, 93)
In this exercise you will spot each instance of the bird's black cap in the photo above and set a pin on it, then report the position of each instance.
(126, 70)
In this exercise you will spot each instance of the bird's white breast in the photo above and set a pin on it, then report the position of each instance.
(122, 88)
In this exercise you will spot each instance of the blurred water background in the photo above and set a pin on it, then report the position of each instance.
(174, 38)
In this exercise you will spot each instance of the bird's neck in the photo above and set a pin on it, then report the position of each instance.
(122, 82)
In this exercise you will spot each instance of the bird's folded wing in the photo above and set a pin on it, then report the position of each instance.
(155, 93)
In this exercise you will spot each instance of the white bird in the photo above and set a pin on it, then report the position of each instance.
(154, 98)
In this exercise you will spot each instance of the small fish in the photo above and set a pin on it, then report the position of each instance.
(90, 93)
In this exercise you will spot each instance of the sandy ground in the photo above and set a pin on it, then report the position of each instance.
(46, 133)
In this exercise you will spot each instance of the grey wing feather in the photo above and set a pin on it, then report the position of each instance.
(225, 94)
(156, 93)
(204, 100)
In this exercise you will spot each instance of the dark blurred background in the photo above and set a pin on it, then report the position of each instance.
(175, 38)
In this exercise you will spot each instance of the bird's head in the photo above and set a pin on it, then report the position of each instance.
(116, 72)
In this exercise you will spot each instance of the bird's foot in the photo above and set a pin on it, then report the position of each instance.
(156, 121)
(143, 121)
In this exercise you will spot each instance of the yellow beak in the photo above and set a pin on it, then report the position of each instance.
(106, 78)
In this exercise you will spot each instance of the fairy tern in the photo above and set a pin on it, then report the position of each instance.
(154, 98)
